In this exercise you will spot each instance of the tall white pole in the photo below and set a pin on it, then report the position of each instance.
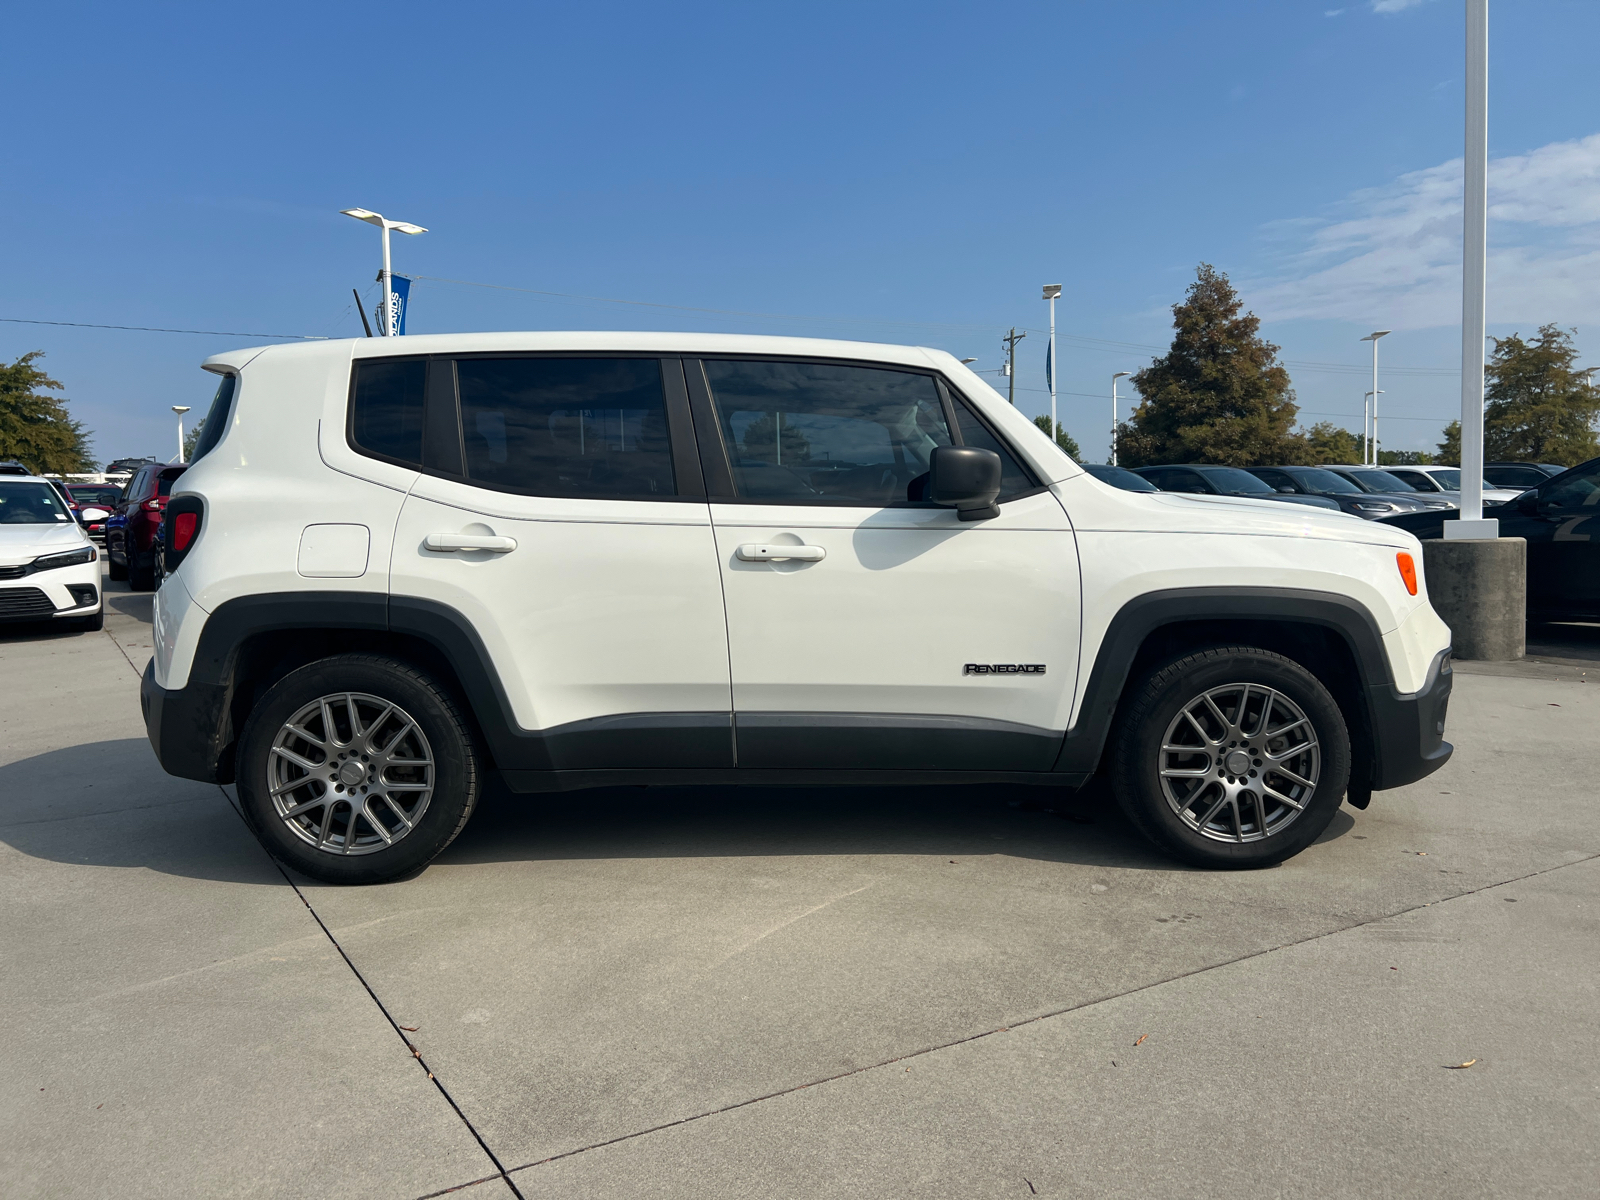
(1055, 369)
(1474, 246)
(1374, 401)
(388, 294)
(1366, 429)
(1114, 379)
(180, 439)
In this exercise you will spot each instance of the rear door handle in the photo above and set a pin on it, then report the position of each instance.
(753, 552)
(446, 543)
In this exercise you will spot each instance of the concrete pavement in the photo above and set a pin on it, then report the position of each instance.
(799, 992)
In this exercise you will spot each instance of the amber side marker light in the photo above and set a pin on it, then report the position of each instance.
(1408, 571)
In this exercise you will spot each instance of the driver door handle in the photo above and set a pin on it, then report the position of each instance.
(448, 543)
(754, 552)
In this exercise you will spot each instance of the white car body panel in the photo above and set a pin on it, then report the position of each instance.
(871, 628)
(21, 544)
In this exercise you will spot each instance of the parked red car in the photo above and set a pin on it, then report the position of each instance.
(131, 529)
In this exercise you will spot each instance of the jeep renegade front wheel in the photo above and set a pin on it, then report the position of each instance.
(357, 769)
(1232, 757)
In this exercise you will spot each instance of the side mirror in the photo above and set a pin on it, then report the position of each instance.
(966, 479)
(1288, 491)
(1527, 504)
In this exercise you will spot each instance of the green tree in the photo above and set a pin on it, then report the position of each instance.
(1537, 407)
(1329, 443)
(36, 429)
(1450, 449)
(1219, 395)
(1063, 439)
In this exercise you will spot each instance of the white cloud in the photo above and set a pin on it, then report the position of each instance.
(1394, 253)
(1394, 6)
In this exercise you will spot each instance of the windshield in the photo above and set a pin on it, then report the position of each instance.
(1449, 478)
(1314, 479)
(1232, 479)
(1382, 481)
(30, 504)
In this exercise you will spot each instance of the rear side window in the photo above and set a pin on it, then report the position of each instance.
(591, 427)
(215, 423)
(825, 433)
(1514, 477)
(1014, 478)
(386, 408)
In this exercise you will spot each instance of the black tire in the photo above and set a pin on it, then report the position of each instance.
(1233, 838)
(114, 569)
(141, 579)
(456, 781)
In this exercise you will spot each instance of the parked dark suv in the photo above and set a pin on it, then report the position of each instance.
(1223, 481)
(131, 530)
(1315, 481)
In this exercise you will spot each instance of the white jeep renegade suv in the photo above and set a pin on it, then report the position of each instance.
(589, 559)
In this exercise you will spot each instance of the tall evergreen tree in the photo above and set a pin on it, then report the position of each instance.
(1537, 407)
(1219, 395)
(36, 429)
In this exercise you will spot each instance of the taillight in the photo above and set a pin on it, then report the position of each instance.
(185, 523)
(1408, 571)
(153, 505)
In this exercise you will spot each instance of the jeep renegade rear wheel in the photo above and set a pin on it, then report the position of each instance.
(1232, 757)
(357, 769)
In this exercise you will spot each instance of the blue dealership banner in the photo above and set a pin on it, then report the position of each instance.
(1049, 363)
(400, 290)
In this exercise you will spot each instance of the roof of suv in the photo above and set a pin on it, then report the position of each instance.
(627, 340)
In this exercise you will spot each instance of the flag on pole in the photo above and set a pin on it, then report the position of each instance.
(1049, 363)
(400, 290)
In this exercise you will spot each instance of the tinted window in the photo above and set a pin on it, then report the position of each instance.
(1514, 477)
(165, 482)
(1013, 478)
(1276, 480)
(1381, 481)
(1578, 488)
(215, 423)
(819, 433)
(1314, 479)
(1232, 479)
(31, 504)
(1448, 478)
(566, 426)
(1418, 480)
(1120, 477)
(386, 411)
(106, 497)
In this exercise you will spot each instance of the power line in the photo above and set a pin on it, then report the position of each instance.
(297, 337)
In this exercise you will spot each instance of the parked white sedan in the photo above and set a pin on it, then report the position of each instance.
(49, 569)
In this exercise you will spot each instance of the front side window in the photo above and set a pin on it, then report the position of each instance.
(822, 433)
(1382, 481)
(581, 427)
(1576, 489)
(1232, 479)
(1014, 480)
(1315, 479)
(1448, 478)
(386, 408)
(31, 504)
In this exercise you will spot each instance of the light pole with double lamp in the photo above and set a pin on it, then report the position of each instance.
(383, 223)
(1114, 378)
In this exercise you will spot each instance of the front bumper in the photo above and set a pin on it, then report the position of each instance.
(188, 729)
(44, 595)
(1408, 730)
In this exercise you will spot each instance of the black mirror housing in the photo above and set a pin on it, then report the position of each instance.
(1527, 504)
(967, 479)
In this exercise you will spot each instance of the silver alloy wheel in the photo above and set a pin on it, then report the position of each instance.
(350, 773)
(1239, 763)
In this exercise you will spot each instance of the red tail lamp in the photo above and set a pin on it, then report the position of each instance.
(185, 524)
(1408, 571)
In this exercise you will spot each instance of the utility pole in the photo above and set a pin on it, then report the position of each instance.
(1011, 339)
(1051, 292)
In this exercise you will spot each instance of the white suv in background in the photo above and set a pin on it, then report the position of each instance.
(592, 559)
(49, 569)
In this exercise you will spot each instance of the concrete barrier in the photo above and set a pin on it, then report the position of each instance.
(1480, 589)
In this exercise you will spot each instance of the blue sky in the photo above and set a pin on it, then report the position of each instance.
(891, 172)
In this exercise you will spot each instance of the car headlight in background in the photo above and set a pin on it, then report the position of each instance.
(74, 558)
(1372, 506)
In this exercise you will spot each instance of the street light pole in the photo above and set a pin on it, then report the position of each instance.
(1051, 291)
(1368, 424)
(1114, 378)
(180, 409)
(1375, 393)
(1475, 230)
(378, 219)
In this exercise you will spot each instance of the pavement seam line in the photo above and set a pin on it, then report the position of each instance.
(1018, 1024)
(123, 652)
(500, 1170)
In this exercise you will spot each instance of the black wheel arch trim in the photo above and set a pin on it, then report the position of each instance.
(1399, 743)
